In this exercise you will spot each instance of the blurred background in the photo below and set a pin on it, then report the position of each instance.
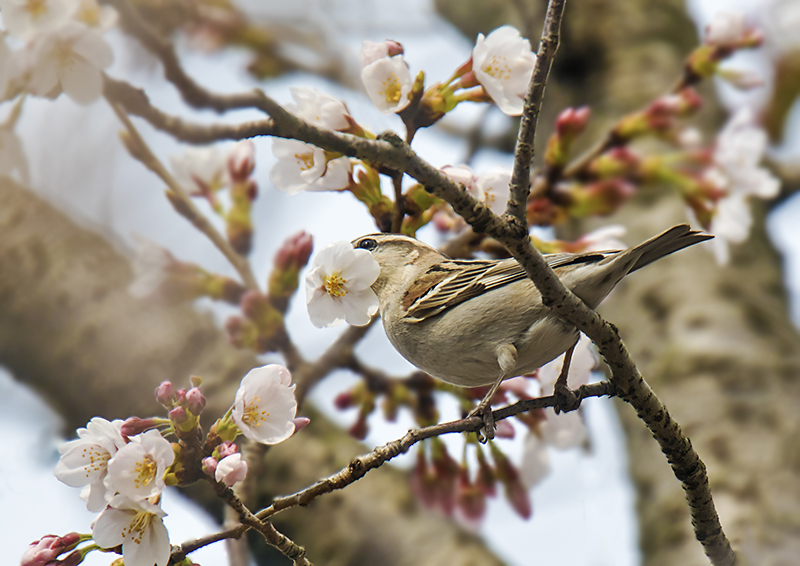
(717, 343)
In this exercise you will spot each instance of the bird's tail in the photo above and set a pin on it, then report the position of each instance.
(674, 239)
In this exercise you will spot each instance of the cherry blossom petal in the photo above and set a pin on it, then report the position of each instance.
(388, 83)
(265, 405)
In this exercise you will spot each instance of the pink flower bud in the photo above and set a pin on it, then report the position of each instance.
(178, 415)
(359, 429)
(195, 401)
(165, 394)
(470, 500)
(572, 121)
(231, 469)
(134, 425)
(394, 48)
(48, 549)
(344, 400)
(295, 251)
(241, 161)
(226, 449)
(209, 466)
(253, 304)
(181, 395)
(300, 423)
(504, 430)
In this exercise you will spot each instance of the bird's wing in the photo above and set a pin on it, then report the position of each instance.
(450, 283)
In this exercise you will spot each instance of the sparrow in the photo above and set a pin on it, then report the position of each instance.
(479, 322)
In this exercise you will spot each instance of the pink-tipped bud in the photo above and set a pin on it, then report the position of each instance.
(253, 304)
(134, 425)
(470, 499)
(48, 549)
(226, 449)
(295, 251)
(372, 51)
(209, 466)
(394, 47)
(195, 401)
(359, 429)
(344, 400)
(178, 416)
(165, 394)
(241, 161)
(300, 423)
(572, 121)
(180, 395)
(504, 430)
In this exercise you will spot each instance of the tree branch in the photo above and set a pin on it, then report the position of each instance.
(523, 155)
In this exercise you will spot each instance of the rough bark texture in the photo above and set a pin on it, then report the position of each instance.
(716, 344)
(70, 329)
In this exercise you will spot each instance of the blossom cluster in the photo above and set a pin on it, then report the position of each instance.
(122, 467)
(57, 46)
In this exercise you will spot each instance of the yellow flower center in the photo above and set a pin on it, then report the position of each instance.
(305, 160)
(253, 414)
(36, 8)
(334, 284)
(98, 459)
(498, 68)
(392, 89)
(138, 526)
(146, 470)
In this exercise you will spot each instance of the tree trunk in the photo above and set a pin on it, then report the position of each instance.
(70, 329)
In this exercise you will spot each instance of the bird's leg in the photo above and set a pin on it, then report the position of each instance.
(567, 400)
(507, 360)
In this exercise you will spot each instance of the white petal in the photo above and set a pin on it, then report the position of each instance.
(359, 306)
(82, 82)
(388, 83)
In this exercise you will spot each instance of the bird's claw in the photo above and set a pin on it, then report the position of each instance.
(566, 399)
(486, 432)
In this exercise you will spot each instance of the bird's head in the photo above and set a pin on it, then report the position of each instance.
(401, 259)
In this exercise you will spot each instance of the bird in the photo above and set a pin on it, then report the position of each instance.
(478, 322)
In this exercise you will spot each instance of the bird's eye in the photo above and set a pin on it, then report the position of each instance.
(367, 244)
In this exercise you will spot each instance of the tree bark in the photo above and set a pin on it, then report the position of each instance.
(70, 329)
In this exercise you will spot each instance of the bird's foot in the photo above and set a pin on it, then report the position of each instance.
(484, 410)
(566, 399)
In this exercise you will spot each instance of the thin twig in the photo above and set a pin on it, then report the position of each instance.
(187, 207)
(523, 156)
(359, 467)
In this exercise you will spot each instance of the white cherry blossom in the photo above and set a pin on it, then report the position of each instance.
(726, 28)
(730, 225)
(231, 469)
(318, 108)
(137, 470)
(492, 188)
(200, 169)
(338, 286)
(102, 17)
(737, 172)
(70, 59)
(388, 83)
(265, 405)
(461, 174)
(84, 462)
(503, 64)
(25, 19)
(138, 526)
(304, 167)
(739, 150)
